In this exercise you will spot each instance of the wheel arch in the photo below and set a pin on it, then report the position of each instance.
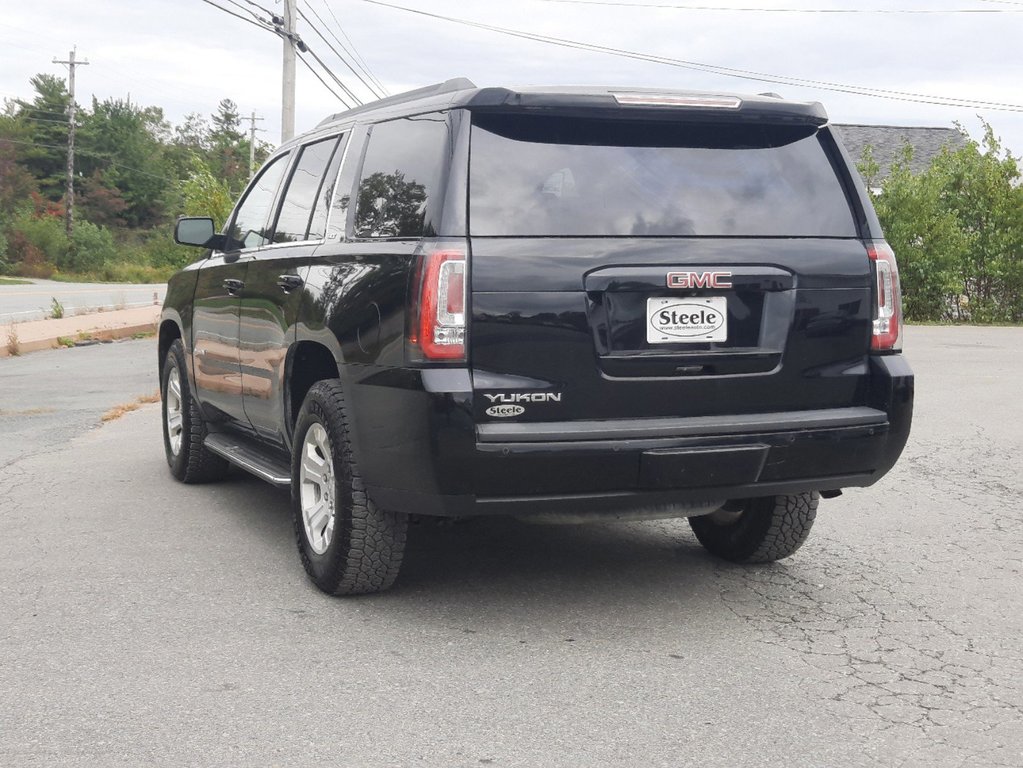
(168, 333)
(308, 362)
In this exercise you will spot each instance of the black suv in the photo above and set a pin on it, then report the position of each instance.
(564, 304)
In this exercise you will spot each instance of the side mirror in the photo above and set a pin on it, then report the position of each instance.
(194, 230)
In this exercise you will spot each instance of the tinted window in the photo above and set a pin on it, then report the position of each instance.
(318, 222)
(301, 198)
(401, 170)
(572, 177)
(251, 225)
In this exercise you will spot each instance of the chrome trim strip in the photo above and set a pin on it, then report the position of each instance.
(695, 426)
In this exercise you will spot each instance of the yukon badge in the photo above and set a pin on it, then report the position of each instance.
(507, 403)
(699, 279)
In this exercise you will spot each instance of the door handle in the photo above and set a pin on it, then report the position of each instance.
(233, 287)
(288, 283)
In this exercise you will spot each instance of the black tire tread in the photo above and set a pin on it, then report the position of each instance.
(366, 552)
(770, 529)
(195, 463)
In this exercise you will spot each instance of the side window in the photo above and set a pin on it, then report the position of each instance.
(251, 223)
(321, 208)
(401, 171)
(302, 202)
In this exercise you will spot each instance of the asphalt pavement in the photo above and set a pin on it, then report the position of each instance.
(20, 303)
(49, 398)
(143, 622)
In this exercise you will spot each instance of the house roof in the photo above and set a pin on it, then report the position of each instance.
(886, 142)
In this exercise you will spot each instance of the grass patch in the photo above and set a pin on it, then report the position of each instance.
(28, 412)
(118, 273)
(13, 343)
(14, 281)
(119, 410)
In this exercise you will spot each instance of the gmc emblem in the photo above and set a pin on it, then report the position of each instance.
(699, 279)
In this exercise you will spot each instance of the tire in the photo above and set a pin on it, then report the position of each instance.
(184, 429)
(348, 546)
(758, 530)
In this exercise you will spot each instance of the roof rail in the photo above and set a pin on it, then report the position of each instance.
(448, 86)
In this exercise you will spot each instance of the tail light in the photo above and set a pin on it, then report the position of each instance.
(887, 332)
(437, 317)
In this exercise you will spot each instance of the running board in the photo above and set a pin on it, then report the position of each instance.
(243, 455)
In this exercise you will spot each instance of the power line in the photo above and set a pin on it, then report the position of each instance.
(369, 86)
(283, 26)
(253, 14)
(681, 7)
(355, 51)
(374, 85)
(238, 15)
(43, 120)
(26, 107)
(260, 7)
(344, 88)
(89, 153)
(324, 82)
(763, 77)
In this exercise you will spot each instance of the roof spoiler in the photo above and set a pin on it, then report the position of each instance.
(448, 86)
(643, 102)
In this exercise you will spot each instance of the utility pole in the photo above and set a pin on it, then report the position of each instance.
(252, 143)
(288, 72)
(69, 194)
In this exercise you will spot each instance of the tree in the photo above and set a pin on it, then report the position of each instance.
(101, 202)
(228, 155)
(122, 143)
(925, 236)
(16, 182)
(205, 194)
(957, 229)
(45, 124)
(390, 206)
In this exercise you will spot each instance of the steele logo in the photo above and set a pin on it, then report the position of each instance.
(699, 279)
(503, 411)
(687, 320)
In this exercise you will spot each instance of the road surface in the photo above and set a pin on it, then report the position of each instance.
(49, 398)
(19, 303)
(143, 622)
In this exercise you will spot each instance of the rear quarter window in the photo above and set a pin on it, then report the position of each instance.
(401, 173)
(573, 177)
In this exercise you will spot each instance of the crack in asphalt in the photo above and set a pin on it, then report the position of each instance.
(868, 623)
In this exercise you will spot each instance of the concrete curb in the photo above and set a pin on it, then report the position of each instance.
(103, 326)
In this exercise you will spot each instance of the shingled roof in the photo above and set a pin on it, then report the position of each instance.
(886, 142)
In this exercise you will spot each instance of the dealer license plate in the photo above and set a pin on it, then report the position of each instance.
(686, 320)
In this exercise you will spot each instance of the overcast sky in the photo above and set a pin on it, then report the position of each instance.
(184, 55)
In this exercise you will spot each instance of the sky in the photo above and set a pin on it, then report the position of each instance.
(185, 55)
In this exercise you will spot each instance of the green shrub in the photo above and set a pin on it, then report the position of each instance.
(5, 265)
(43, 235)
(91, 247)
(160, 251)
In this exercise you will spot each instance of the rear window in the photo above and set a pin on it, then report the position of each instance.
(553, 176)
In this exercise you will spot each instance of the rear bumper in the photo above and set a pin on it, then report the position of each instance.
(451, 467)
